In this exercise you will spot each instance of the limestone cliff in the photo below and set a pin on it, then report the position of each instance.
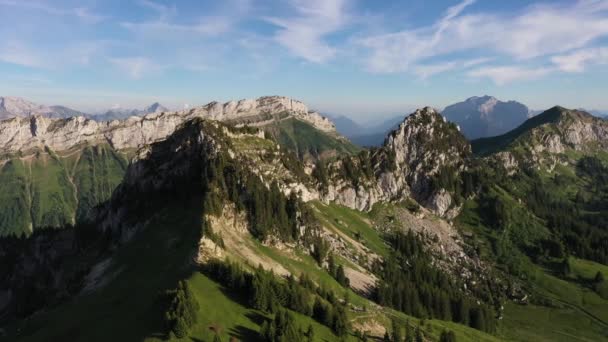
(26, 133)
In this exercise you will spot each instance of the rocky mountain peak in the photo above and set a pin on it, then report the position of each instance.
(425, 133)
(11, 107)
(155, 108)
(426, 145)
(423, 148)
(16, 106)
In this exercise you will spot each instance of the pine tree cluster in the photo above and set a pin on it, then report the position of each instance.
(409, 283)
(182, 310)
(265, 292)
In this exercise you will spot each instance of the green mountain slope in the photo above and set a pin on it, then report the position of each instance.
(485, 146)
(307, 142)
(50, 190)
(540, 209)
(197, 210)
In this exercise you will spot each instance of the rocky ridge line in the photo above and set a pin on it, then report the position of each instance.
(26, 133)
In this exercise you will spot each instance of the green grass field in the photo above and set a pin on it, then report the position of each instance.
(351, 222)
(541, 323)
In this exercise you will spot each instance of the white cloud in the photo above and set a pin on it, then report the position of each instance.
(538, 31)
(165, 12)
(136, 67)
(304, 34)
(212, 26)
(502, 75)
(577, 61)
(424, 71)
(17, 53)
(82, 13)
(167, 27)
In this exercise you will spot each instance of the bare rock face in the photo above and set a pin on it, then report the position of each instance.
(440, 202)
(580, 129)
(269, 104)
(558, 130)
(507, 161)
(423, 146)
(37, 131)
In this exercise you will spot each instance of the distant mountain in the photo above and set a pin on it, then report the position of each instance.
(486, 116)
(346, 126)
(18, 107)
(366, 135)
(595, 112)
(11, 106)
(61, 112)
(123, 113)
(375, 135)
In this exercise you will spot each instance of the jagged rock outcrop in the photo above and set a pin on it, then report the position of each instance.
(24, 133)
(409, 164)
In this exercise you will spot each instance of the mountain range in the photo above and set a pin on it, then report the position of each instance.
(11, 106)
(366, 135)
(476, 116)
(257, 220)
(123, 113)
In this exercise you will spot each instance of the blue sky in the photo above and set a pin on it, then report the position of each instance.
(360, 58)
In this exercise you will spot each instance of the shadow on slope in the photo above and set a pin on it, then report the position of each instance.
(160, 200)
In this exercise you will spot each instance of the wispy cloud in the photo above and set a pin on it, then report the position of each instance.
(166, 26)
(212, 26)
(136, 67)
(424, 71)
(17, 53)
(77, 53)
(164, 12)
(82, 13)
(538, 31)
(502, 75)
(304, 34)
(397, 52)
(578, 60)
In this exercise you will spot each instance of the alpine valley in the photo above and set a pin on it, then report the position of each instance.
(255, 220)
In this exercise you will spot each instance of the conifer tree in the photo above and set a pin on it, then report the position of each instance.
(599, 278)
(396, 332)
(310, 333)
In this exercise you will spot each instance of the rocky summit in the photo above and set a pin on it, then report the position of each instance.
(37, 131)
